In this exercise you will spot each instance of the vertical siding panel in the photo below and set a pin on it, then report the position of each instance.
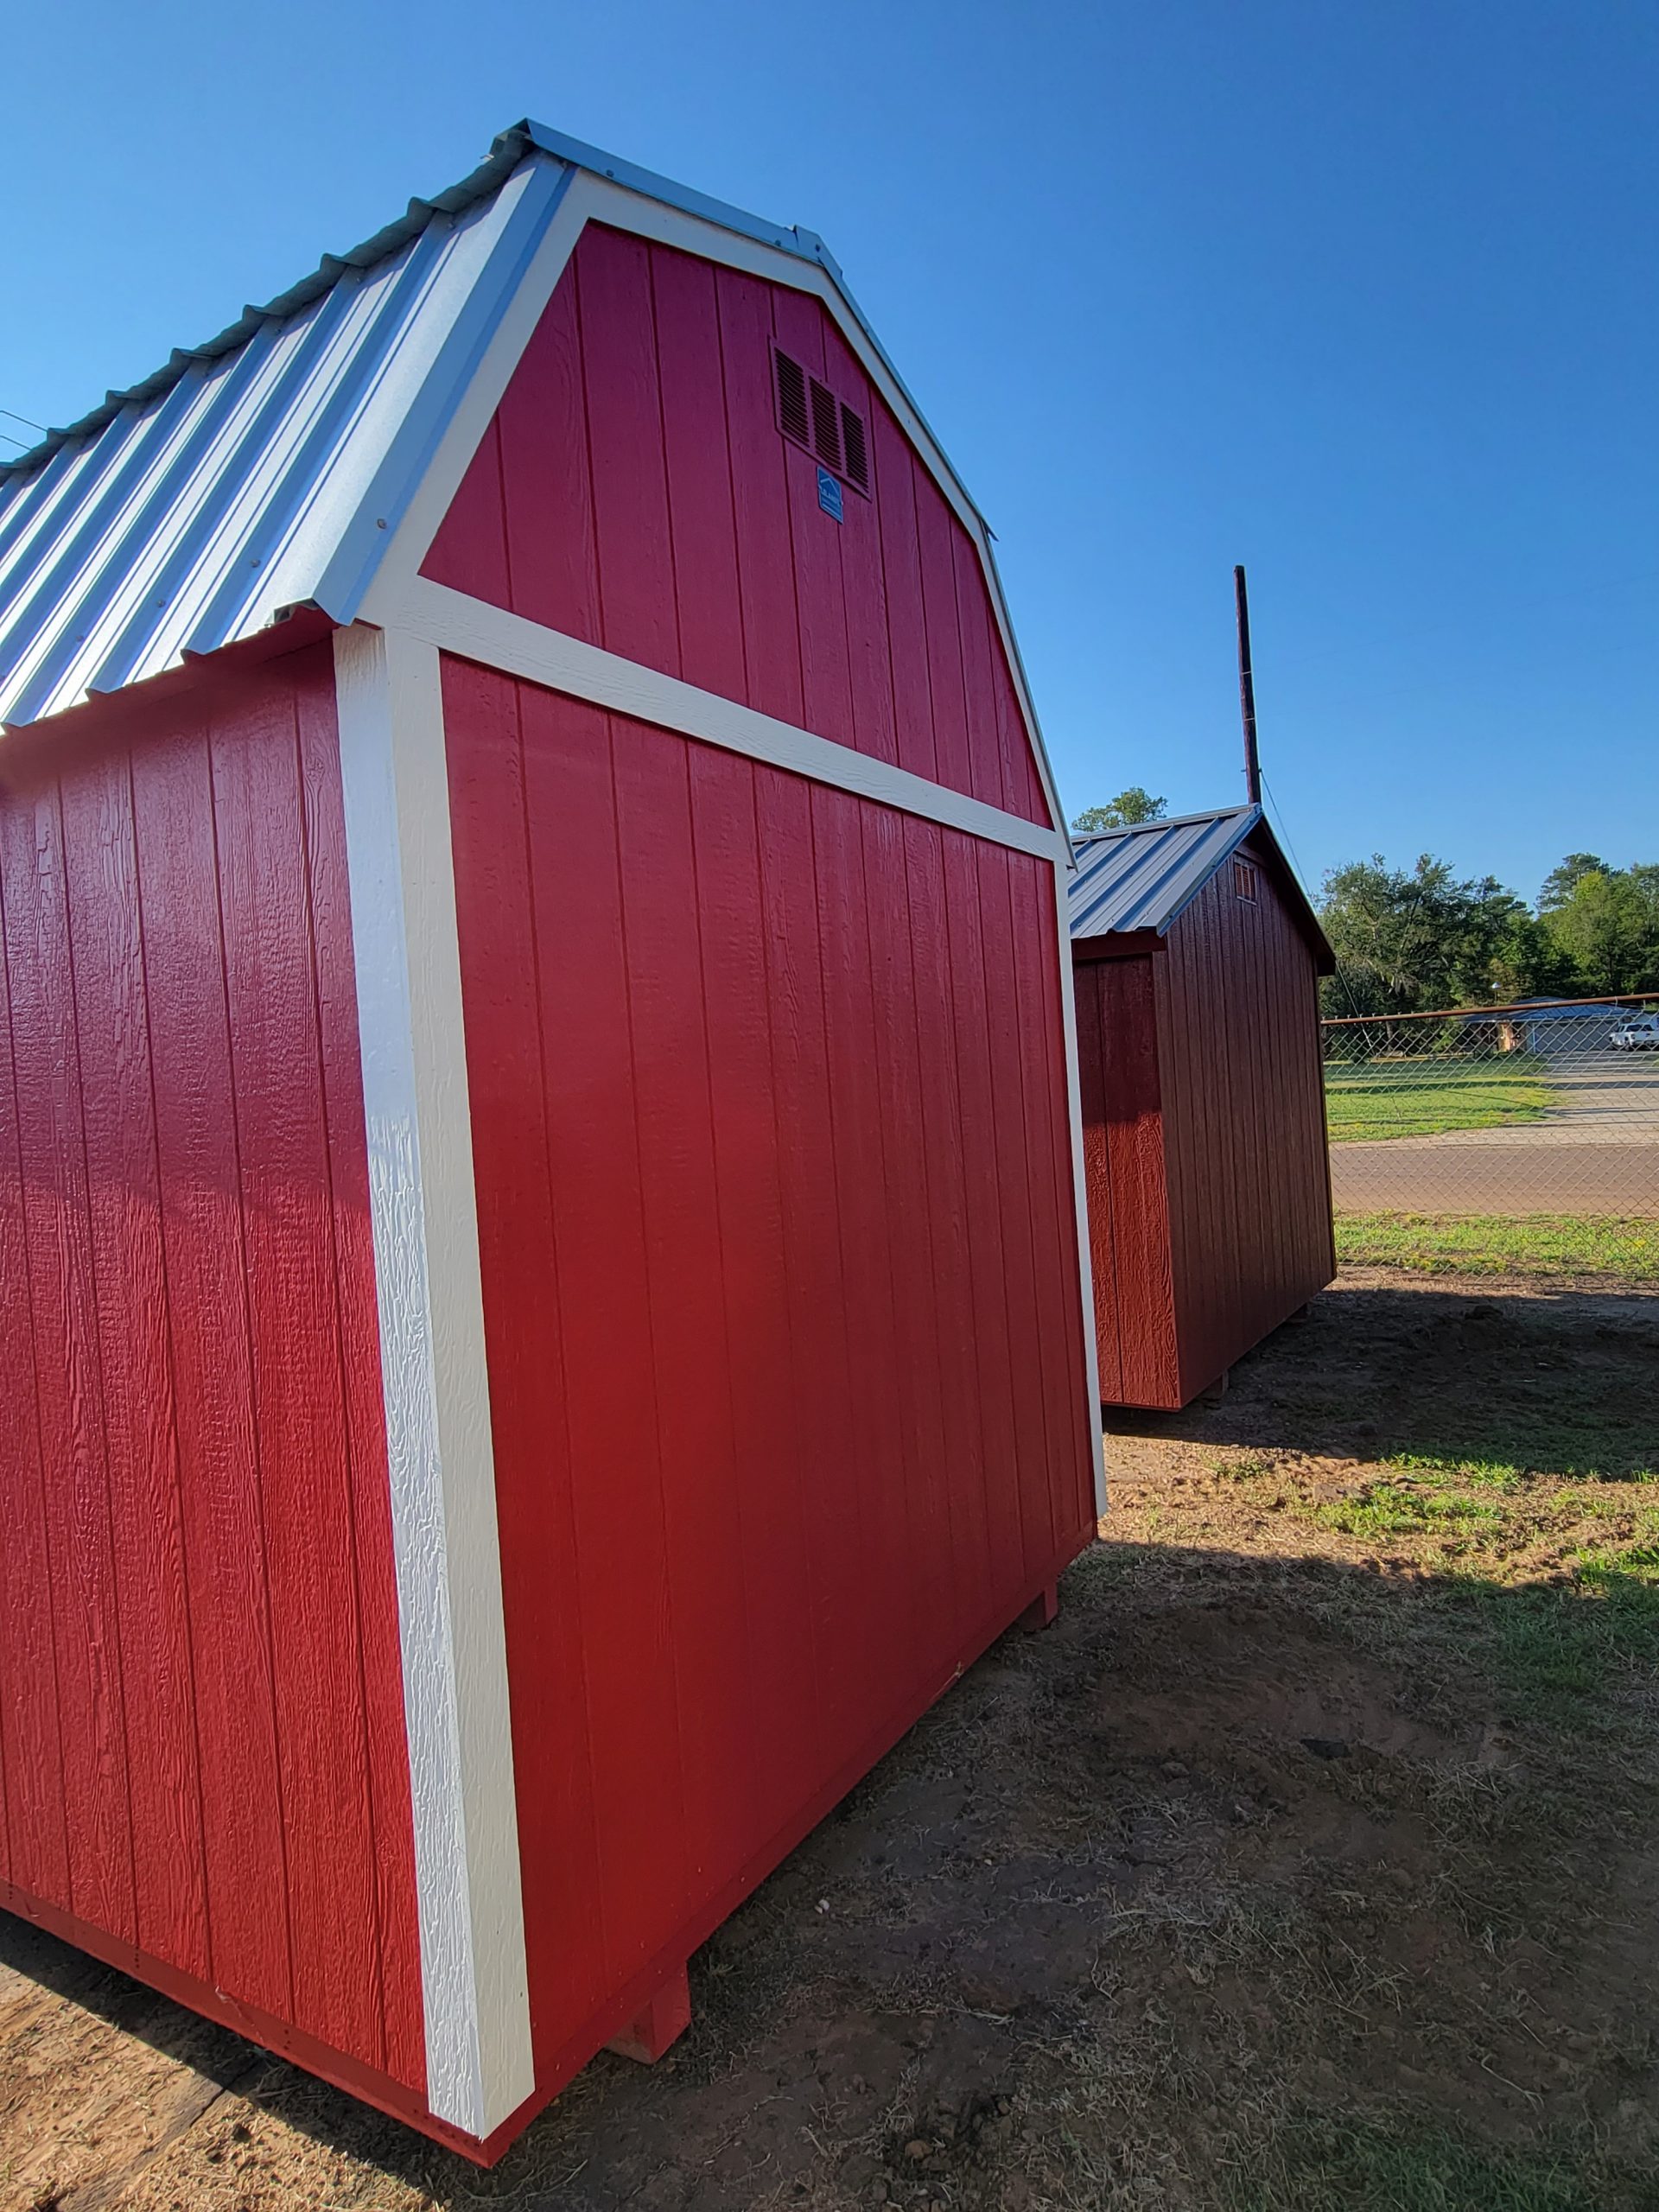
(684, 1262)
(605, 1321)
(1192, 1196)
(1138, 1136)
(994, 1331)
(205, 1270)
(774, 1440)
(766, 556)
(1021, 779)
(37, 1847)
(902, 572)
(818, 1288)
(303, 1473)
(69, 1381)
(929, 1470)
(951, 1280)
(934, 526)
(699, 471)
(826, 671)
(985, 777)
(1011, 1140)
(164, 1784)
(625, 437)
(547, 488)
(863, 585)
(508, 1065)
(878, 1417)
(402, 2032)
(469, 552)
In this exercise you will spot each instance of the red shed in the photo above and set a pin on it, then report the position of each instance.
(1196, 957)
(540, 1214)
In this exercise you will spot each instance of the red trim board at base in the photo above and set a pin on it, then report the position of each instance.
(389, 2096)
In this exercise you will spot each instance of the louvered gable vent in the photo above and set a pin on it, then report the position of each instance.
(810, 415)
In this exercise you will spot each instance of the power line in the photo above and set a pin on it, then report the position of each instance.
(27, 421)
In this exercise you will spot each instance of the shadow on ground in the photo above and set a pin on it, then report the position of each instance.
(1268, 1878)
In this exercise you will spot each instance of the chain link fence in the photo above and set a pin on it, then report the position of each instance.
(1519, 1138)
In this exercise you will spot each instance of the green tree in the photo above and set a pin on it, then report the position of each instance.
(1604, 924)
(1123, 812)
(1410, 939)
(1559, 883)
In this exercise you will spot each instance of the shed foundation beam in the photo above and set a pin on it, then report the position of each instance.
(664, 2020)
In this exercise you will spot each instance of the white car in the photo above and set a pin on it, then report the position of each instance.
(1637, 1033)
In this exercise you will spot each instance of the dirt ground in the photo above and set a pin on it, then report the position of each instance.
(1309, 1860)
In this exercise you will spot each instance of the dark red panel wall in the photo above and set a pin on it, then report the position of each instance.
(1244, 1138)
(201, 1733)
(1123, 1171)
(634, 491)
(780, 1293)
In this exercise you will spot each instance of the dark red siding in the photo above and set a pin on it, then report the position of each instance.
(201, 1735)
(1204, 1142)
(781, 1296)
(634, 491)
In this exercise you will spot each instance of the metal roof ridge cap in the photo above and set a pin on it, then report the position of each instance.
(632, 177)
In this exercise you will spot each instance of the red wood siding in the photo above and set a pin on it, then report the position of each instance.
(201, 1736)
(634, 491)
(1204, 1143)
(1123, 1172)
(1244, 1138)
(781, 1296)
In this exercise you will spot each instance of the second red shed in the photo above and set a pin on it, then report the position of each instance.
(1196, 959)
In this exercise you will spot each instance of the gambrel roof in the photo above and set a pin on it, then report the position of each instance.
(270, 468)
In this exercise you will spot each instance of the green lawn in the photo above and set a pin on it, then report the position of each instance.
(1595, 1245)
(1373, 1099)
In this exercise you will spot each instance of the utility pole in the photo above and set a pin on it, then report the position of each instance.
(1247, 691)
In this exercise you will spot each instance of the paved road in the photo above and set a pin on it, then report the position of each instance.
(1596, 1152)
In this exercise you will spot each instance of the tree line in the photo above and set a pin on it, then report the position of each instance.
(1408, 940)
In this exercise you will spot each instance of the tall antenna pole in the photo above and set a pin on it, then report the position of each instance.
(1247, 691)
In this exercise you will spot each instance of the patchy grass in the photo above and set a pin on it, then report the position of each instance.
(1570, 1247)
(1322, 2165)
(1309, 1862)
(1380, 1099)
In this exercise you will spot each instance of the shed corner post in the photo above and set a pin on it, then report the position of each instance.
(1080, 1180)
(429, 1300)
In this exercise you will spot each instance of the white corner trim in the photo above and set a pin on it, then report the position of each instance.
(1079, 1186)
(474, 630)
(438, 1454)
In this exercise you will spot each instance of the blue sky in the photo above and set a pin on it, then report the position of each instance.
(1359, 292)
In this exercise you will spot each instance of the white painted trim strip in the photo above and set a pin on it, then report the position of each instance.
(439, 1454)
(476, 630)
(591, 198)
(1079, 1187)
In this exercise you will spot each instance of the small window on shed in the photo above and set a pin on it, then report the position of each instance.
(1244, 879)
(810, 416)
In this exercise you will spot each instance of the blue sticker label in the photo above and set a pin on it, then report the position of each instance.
(829, 494)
